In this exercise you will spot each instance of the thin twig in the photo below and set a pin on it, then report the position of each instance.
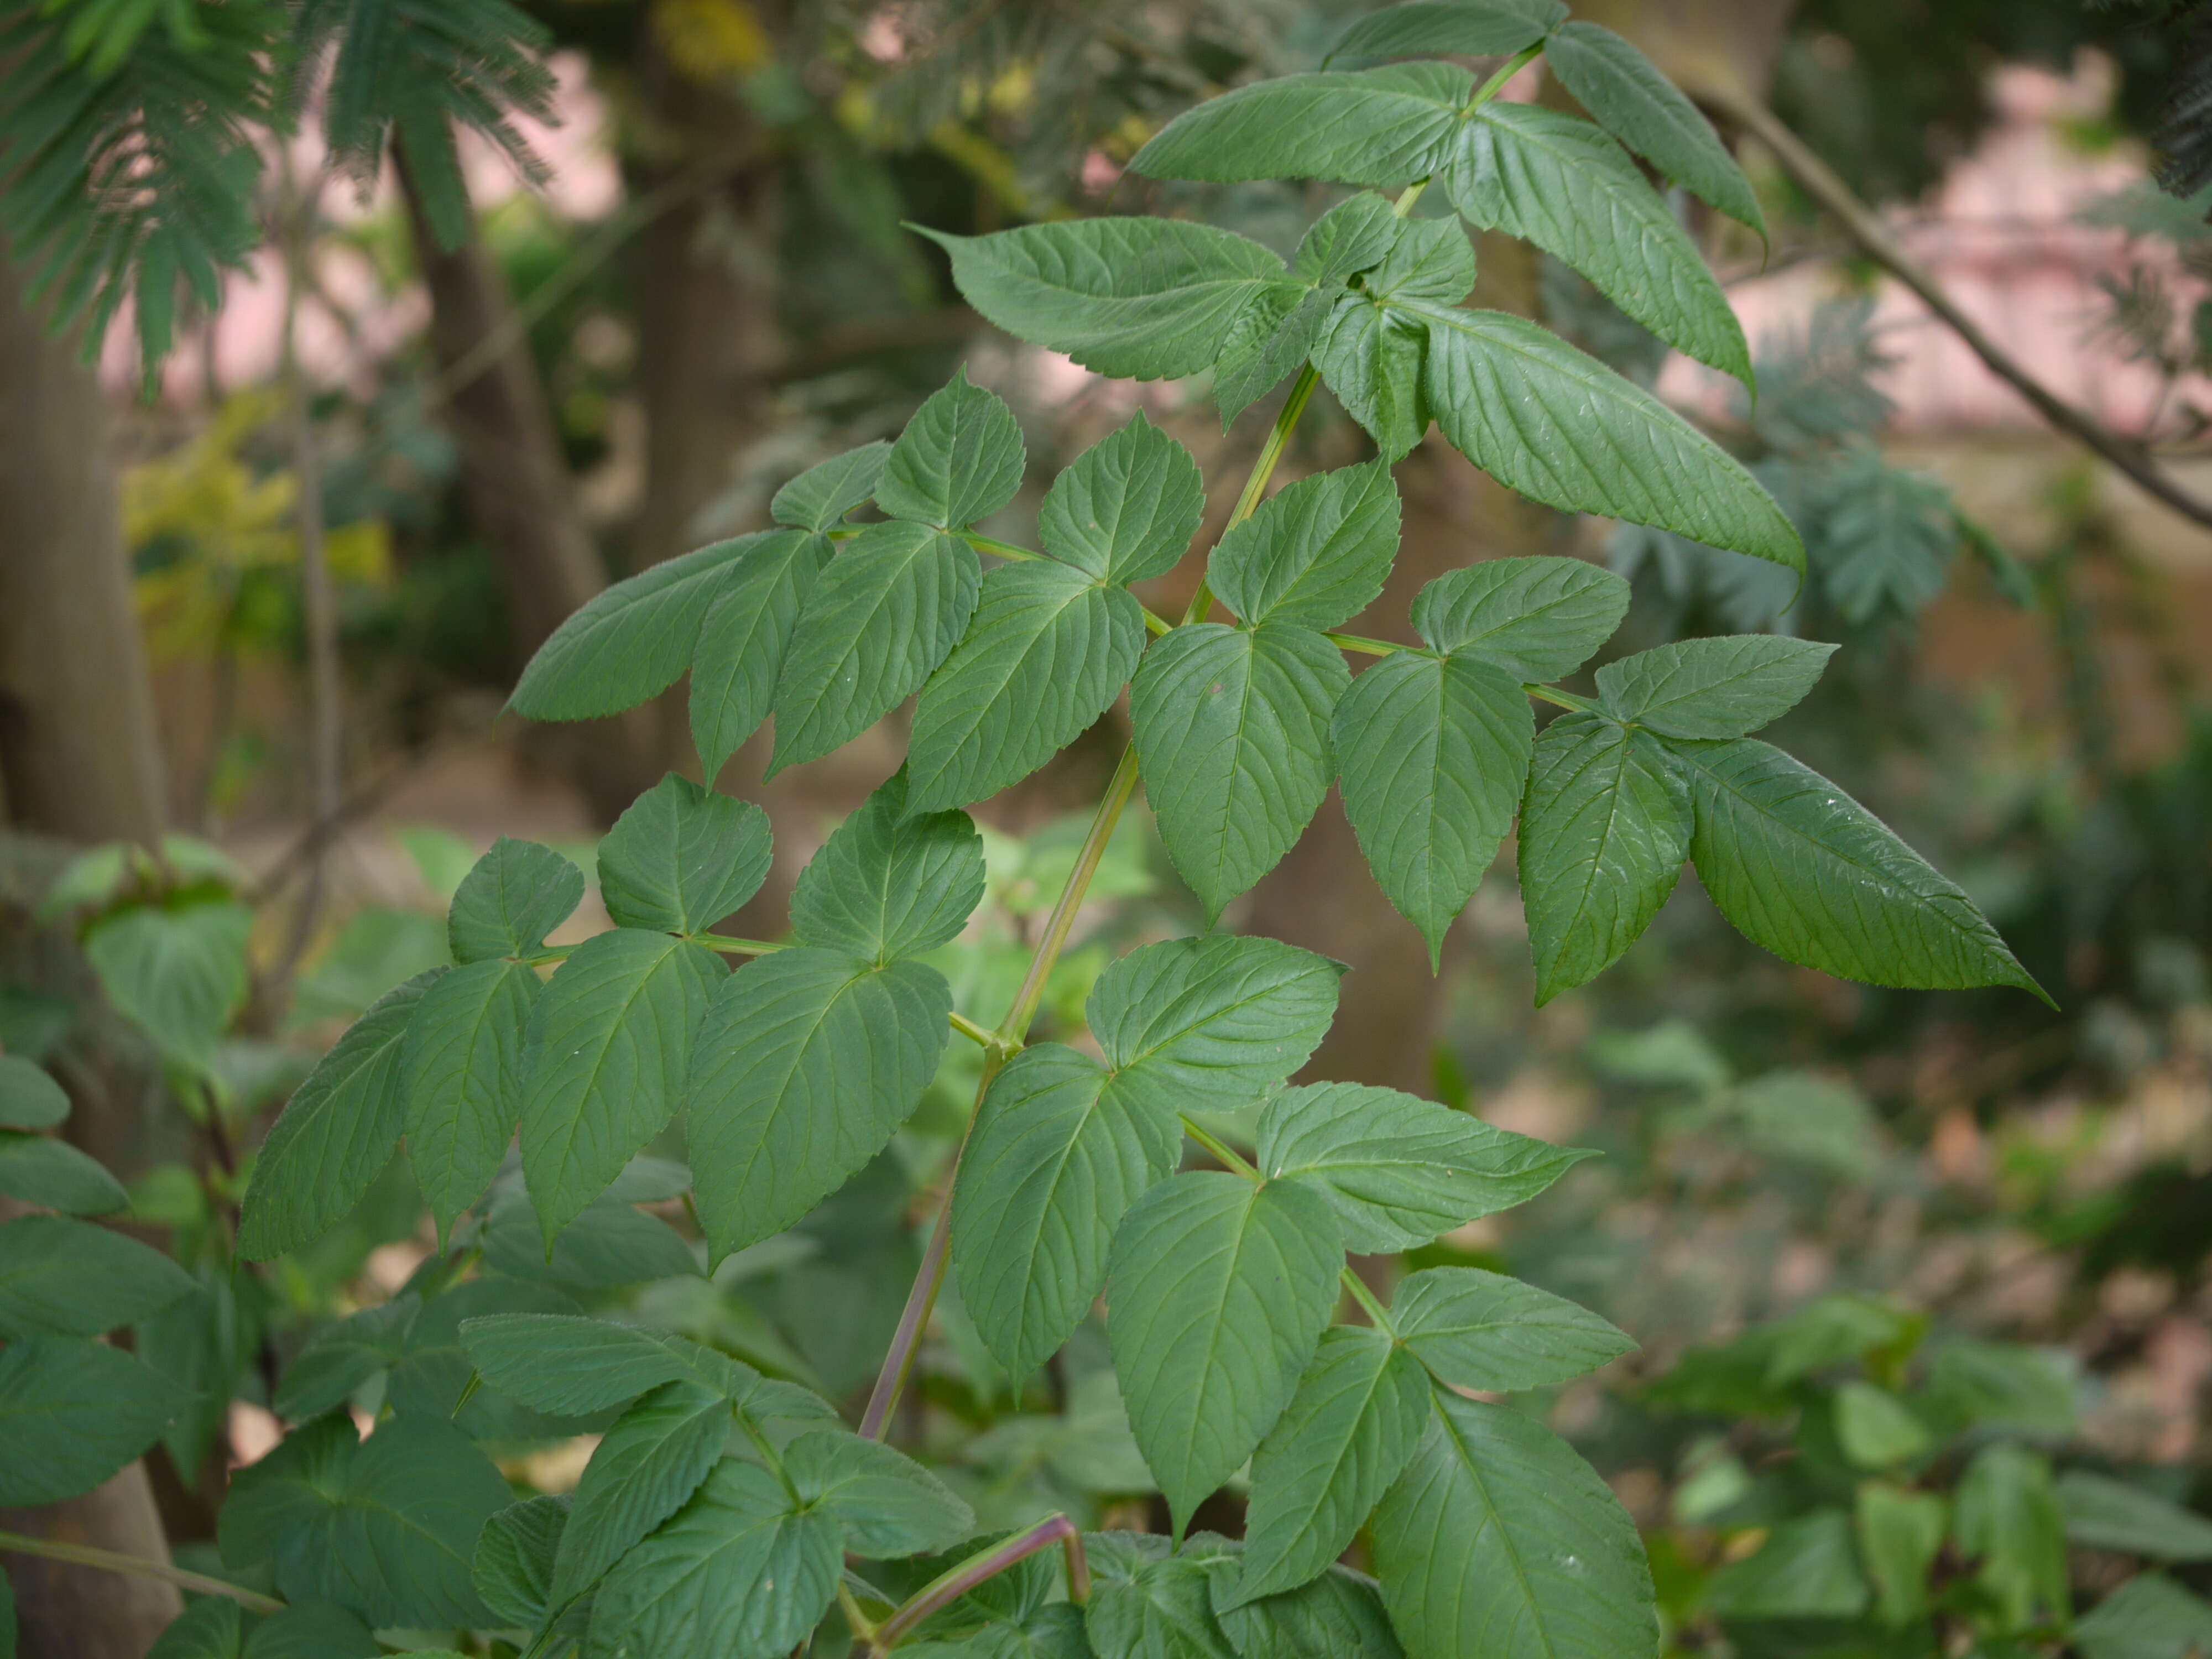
(1822, 184)
(135, 1566)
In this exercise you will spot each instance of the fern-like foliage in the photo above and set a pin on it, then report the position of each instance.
(126, 159)
(409, 71)
(1879, 539)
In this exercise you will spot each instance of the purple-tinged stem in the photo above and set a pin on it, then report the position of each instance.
(951, 1586)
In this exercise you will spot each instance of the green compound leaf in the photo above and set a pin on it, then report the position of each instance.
(1427, 260)
(1370, 356)
(1397, 1170)
(1900, 1532)
(72, 1413)
(2112, 1515)
(1048, 649)
(1370, 353)
(604, 1058)
(2150, 1617)
(1147, 1604)
(1358, 1411)
(1804, 870)
(1217, 1292)
(1232, 733)
(1604, 830)
(610, 1244)
(642, 1472)
(960, 458)
(1127, 507)
(629, 642)
(337, 1134)
(1556, 181)
(1432, 752)
(569, 1366)
(1807, 1568)
(1536, 618)
(342, 1357)
(1056, 1158)
(806, 1067)
(40, 1170)
(178, 976)
(682, 857)
(1507, 392)
(29, 1099)
(1338, 1613)
(1356, 235)
(1212, 1024)
(1385, 126)
(887, 1504)
(213, 1627)
(819, 498)
(744, 636)
(460, 1075)
(2007, 1519)
(876, 624)
(1484, 1330)
(385, 1527)
(740, 1571)
(513, 1567)
(1278, 329)
(1721, 688)
(1136, 298)
(316, 1629)
(511, 898)
(64, 1277)
(1498, 1539)
(1314, 553)
(1640, 106)
(887, 885)
(1062, 1146)
(1271, 336)
(1457, 29)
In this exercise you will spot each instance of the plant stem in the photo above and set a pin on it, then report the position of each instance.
(1496, 84)
(855, 1621)
(982, 1036)
(921, 1299)
(1248, 502)
(1377, 1315)
(914, 1319)
(1230, 1159)
(948, 1587)
(735, 947)
(84, 1555)
(1364, 645)
(1122, 785)
(1564, 699)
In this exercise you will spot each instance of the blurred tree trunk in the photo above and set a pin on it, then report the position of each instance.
(80, 758)
(516, 483)
(1321, 896)
(709, 342)
(79, 754)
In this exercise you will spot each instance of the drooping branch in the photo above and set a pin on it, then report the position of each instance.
(1875, 239)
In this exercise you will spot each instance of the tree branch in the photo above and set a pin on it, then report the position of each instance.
(1821, 183)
